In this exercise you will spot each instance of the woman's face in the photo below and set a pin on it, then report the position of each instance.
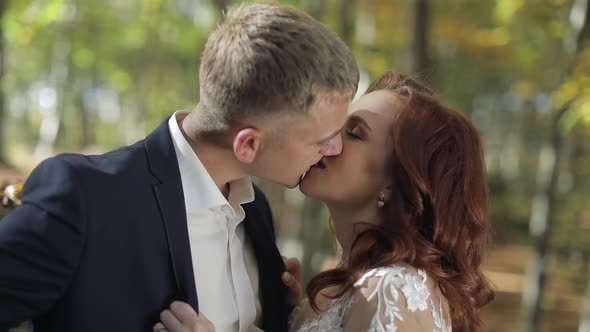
(358, 174)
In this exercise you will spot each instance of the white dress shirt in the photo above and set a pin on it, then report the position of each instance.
(224, 264)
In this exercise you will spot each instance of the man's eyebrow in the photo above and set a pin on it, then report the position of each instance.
(332, 135)
(358, 119)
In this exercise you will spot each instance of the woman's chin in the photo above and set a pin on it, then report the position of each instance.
(310, 184)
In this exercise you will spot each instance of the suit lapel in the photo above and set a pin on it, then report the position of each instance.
(270, 267)
(169, 194)
(163, 163)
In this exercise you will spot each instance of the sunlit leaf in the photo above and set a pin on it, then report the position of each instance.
(506, 9)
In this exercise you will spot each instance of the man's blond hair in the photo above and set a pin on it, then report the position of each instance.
(266, 58)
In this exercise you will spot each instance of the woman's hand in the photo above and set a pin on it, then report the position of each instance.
(292, 280)
(181, 317)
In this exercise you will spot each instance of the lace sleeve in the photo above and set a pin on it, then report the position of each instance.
(301, 316)
(398, 299)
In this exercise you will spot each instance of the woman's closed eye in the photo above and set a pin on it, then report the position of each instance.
(355, 133)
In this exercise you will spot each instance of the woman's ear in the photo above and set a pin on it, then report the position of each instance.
(247, 143)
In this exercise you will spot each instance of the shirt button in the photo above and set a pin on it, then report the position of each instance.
(226, 210)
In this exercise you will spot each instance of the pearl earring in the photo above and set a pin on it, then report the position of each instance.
(381, 201)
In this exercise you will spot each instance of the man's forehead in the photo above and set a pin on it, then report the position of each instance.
(332, 97)
(329, 114)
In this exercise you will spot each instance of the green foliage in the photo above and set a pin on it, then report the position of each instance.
(133, 48)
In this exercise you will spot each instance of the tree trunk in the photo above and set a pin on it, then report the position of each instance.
(86, 124)
(52, 100)
(346, 22)
(542, 220)
(421, 27)
(3, 6)
(544, 202)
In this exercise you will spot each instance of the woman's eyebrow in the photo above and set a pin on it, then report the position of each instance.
(360, 120)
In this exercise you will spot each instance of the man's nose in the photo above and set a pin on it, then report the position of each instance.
(332, 147)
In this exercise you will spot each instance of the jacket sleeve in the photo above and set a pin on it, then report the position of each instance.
(41, 243)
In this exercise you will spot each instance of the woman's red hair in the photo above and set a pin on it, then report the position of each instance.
(436, 219)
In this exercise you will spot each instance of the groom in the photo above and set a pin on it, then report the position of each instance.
(105, 243)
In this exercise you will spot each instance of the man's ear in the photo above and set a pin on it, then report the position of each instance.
(247, 143)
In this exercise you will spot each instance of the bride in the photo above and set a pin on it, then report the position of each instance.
(408, 198)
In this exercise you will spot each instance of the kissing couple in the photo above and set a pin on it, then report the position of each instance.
(170, 234)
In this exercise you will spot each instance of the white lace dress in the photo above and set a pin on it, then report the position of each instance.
(397, 298)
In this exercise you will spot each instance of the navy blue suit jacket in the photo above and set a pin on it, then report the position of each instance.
(101, 244)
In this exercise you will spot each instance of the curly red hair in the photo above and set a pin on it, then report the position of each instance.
(436, 219)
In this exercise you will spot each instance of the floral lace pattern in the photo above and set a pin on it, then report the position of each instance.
(396, 293)
(437, 316)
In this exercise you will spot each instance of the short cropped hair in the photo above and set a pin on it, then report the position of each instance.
(268, 57)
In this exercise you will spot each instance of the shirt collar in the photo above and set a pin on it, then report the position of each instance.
(196, 179)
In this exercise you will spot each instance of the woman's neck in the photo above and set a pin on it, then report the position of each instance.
(345, 217)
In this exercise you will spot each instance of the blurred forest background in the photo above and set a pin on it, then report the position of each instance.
(92, 75)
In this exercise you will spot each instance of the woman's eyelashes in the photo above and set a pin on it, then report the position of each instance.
(352, 136)
(354, 133)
